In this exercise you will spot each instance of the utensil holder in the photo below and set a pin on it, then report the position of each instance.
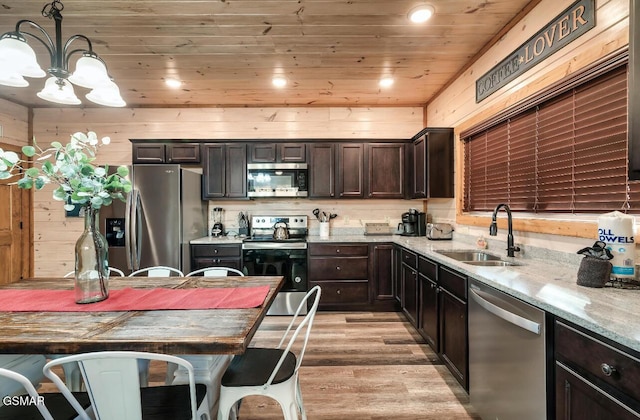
(324, 229)
(594, 272)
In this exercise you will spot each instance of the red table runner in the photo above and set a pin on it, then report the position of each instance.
(40, 300)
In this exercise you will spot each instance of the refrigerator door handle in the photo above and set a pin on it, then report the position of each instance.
(134, 232)
(127, 230)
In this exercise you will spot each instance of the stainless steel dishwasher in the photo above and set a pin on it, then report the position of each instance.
(507, 363)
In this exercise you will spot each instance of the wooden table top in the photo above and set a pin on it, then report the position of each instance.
(210, 331)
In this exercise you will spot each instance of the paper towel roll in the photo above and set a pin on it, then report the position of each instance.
(616, 230)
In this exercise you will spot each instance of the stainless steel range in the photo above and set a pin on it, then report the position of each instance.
(278, 247)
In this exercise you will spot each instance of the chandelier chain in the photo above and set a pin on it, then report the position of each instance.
(51, 9)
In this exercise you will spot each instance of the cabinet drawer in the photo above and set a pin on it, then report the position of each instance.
(453, 282)
(427, 268)
(409, 258)
(338, 268)
(594, 357)
(215, 251)
(339, 249)
(346, 292)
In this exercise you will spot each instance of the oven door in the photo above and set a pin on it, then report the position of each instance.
(269, 259)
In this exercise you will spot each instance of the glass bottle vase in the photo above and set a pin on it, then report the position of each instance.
(92, 266)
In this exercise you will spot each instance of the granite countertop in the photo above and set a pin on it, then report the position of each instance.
(547, 283)
(210, 240)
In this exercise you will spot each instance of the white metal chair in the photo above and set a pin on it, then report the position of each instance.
(33, 405)
(71, 372)
(158, 271)
(115, 393)
(112, 270)
(215, 272)
(271, 372)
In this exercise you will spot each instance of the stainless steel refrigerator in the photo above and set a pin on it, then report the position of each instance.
(162, 214)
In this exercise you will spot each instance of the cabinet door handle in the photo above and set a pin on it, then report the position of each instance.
(607, 369)
(338, 251)
(338, 268)
(338, 292)
(215, 251)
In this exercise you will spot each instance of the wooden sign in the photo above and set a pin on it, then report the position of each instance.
(567, 26)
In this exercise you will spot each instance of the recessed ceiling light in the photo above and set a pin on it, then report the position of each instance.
(279, 81)
(386, 82)
(421, 14)
(173, 83)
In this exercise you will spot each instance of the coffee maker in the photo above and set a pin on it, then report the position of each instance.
(414, 223)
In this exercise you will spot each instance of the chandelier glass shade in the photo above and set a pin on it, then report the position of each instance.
(18, 60)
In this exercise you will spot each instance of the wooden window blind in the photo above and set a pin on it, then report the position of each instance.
(567, 153)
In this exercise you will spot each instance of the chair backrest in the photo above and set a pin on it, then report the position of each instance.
(112, 270)
(215, 272)
(305, 324)
(112, 381)
(31, 390)
(158, 271)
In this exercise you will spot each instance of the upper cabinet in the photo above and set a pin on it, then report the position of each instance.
(322, 170)
(431, 161)
(224, 171)
(386, 173)
(350, 166)
(277, 152)
(174, 152)
(357, 170)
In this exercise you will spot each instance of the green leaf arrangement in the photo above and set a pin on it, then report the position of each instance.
(71, 167)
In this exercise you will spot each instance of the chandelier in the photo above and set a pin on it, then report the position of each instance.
(18, 60)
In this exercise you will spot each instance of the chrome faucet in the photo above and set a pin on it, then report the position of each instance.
(493, 229)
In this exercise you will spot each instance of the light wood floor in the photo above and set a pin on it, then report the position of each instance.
(361, 366)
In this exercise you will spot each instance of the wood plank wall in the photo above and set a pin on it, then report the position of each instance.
(456, 106)
(55, 234)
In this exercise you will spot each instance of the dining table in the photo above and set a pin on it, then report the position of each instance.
(183, 331)
(206, 337)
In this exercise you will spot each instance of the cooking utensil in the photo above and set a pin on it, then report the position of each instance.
(332, 216)
(316, 212)
(281, 231)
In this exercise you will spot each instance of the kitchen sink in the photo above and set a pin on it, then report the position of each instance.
(479, 258)
(470, 255)
(491, 263)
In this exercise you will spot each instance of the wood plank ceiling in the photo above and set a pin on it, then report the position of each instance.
(332, 52)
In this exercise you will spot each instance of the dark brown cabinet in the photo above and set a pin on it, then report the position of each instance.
(277, 152)
(322, 170)
(382, 269)
(428, 291)
(432, 164)
(409, 292)
(176, 152)
(216, 255)
(594, 378)
(453, 337)
(342, 271)
(350, 167)
(385, 173)
(224, 171)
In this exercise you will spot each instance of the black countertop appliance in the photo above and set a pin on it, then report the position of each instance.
(414, 223)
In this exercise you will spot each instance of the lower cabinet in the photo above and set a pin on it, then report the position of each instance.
(342, 271)
(215, 255)
(428, 291)
(409, 292)
(594, 378)
(434, 300)
(381, 269)
(453, 335)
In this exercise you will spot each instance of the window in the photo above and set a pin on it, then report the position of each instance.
(565, 151)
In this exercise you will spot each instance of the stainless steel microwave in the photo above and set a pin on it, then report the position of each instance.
(277, 180)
